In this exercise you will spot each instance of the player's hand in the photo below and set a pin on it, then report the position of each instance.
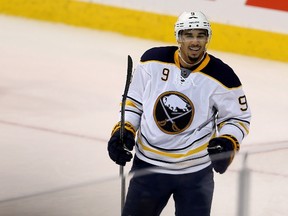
(120, 152)
(221, 151)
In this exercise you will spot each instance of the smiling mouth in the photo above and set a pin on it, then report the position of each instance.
(195, 49)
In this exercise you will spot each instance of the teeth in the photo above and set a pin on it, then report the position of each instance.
(194, 48)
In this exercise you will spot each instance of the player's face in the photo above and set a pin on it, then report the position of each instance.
(193, 44)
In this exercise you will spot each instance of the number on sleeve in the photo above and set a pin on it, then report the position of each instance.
(243, 102)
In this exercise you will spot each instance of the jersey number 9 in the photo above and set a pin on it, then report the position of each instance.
(243, 102)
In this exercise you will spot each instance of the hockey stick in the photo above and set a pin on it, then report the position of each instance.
(124, 97)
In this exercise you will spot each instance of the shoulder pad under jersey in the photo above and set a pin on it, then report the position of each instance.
(162, 54)
(222, 72)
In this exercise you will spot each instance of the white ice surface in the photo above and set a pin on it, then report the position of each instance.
(60, 88)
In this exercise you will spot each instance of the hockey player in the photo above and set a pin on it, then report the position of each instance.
(190, 114)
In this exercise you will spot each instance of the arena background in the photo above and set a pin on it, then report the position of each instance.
(60, 88)
(250, 27)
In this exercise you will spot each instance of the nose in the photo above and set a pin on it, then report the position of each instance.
(194, 41)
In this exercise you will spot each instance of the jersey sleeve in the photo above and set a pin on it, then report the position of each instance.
(133, 106)
(234, 114)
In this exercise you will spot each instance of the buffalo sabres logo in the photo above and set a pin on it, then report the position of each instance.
(173, 112)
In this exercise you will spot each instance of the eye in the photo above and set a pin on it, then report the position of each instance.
(201, 36)
(188, 35)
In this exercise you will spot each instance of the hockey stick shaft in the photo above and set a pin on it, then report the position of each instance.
(124, 97)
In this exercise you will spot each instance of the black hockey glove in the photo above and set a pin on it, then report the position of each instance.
(120, 152)
(222, 151)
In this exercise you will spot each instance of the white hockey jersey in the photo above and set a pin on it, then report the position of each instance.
(177, 111)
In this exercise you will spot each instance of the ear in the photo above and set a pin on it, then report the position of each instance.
(179, 42)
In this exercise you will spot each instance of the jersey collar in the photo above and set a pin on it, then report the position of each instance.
(197, 67)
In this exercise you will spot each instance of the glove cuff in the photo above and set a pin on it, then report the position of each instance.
(128, 126)
(236, 145)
